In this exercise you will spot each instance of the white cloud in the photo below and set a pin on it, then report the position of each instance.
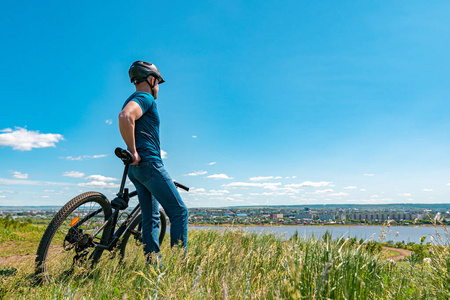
(276, 191)
(73, 174)
(309, 184)
(350, 187)
(427, 190)
(109, 121)
(197, 173)
(219, 176)
(203, 192)
(194, 136)
(405, 194)
(233, 200)
(83, 157)
(262, 178)
(362, 190)
(338, 194)
(18, 175)
(100, 178)
(163, 154)
(291, 190)
(99, 184)
(263, 194)
(366, 201)
(212, 163)
(294, 177)
(252, 184)
(322, 191)
(23, 140)
(448, 184)
(374, 196)
(72, 158)
(217, 192)
(197, 191)
(2, 197)
(4, 181)
(366, 174)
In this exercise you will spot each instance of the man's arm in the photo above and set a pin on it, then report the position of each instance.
(127, 117)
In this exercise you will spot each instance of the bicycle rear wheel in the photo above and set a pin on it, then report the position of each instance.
(135, 231)
(68, 241)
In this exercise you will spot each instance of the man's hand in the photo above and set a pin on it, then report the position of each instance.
(137, 159)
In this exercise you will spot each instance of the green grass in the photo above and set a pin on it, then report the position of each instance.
(19, 238)
(234, 264)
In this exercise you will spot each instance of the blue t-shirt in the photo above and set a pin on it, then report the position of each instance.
(146, 130)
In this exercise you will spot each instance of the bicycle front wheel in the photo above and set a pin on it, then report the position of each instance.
(135, 231)
(71, 237)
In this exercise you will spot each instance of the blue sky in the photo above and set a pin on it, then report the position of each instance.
(265, 102)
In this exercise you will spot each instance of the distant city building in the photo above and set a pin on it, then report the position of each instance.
(341, 217)
(383, 217)
(326, 217)
(276, 216)
(303, 216)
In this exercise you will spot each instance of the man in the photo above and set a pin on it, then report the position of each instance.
(139, 127)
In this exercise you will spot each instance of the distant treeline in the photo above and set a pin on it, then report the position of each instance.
(29, 208)
(9, 222)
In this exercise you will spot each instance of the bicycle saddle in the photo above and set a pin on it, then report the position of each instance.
(124, 155)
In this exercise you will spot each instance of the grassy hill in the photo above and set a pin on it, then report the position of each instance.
(234, 264)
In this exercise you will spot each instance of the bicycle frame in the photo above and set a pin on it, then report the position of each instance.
(120, 203)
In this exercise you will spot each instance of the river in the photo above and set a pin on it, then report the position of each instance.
(393, 233)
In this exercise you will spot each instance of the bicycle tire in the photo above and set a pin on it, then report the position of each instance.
(135, 229)
(52, 257)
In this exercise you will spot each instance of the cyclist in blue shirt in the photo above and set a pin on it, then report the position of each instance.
(139, 127)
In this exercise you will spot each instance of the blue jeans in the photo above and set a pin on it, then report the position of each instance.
(150, 178)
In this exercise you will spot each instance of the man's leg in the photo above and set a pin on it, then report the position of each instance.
(164, 190)
(149, 209)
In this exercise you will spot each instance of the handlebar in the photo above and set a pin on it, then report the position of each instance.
(181, 186)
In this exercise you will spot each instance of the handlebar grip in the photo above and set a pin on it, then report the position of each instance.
(181, 186)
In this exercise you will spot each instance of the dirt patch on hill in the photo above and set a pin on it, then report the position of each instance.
(17, 260)
(20, 259)
(403, 253)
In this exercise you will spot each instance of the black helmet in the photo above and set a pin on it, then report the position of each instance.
(140, 70)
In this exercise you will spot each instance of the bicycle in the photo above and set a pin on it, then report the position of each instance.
(86, 226)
